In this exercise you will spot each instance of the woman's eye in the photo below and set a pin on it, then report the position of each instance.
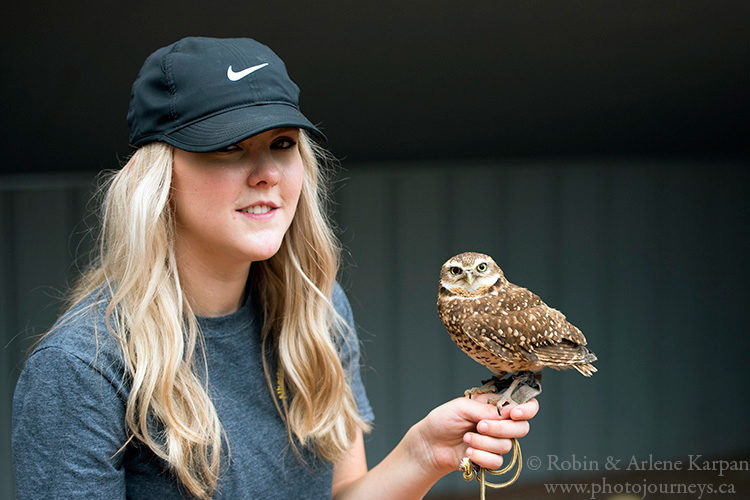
(228, 149)
(482, 267)
(283, 143)
(455, 271)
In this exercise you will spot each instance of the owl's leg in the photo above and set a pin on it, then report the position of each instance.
(489, 387)
(523, 386)
(505, 396)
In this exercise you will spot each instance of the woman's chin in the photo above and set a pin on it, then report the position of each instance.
(265, 252)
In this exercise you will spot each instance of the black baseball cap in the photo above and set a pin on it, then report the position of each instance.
(201, 94)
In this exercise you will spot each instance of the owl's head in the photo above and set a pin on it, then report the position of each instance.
(470, 273)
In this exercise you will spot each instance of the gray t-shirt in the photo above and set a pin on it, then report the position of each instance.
(69, 416)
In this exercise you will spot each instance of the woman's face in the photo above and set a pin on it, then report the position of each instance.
(236, 204)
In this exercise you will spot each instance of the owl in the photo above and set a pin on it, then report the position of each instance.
(505, 327)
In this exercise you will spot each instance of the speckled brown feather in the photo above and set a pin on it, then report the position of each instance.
(505, 327)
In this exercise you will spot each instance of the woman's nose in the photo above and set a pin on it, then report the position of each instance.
(264, 171)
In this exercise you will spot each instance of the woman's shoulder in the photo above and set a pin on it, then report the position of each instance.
(341, 303)
(346, 338)
(82, 332)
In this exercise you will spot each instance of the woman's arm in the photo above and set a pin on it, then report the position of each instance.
(433, 448)
(68, 424)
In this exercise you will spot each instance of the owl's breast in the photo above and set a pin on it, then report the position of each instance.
(453, 311)
(485, 342)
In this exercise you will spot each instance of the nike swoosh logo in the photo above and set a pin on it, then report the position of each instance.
(234, 76)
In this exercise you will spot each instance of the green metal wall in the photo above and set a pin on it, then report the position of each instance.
(648, 259)
(42, 224)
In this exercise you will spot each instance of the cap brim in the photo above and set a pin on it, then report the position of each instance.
(231, 127)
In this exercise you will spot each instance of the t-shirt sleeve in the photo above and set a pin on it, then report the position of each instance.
(349, 353)
(68, 424)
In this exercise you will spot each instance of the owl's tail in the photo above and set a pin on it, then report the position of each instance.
(566, 355)
(586, 369)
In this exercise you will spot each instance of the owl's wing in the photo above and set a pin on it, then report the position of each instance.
(549, 338)
(486, 331)
(538, 323)
(544, 325)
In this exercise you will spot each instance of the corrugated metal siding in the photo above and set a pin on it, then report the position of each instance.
(41, 221)
(650, 261)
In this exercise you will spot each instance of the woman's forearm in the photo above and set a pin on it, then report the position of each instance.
(405, 474)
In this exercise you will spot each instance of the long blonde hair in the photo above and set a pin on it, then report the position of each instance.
(159, 335)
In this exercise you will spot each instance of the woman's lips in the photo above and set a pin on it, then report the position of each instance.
(259, 211)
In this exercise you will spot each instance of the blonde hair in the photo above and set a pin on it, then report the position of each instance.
(159, 335)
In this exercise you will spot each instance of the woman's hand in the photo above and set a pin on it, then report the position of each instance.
(434, 447)
(468, 427)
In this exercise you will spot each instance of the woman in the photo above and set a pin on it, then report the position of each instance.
(209, 352)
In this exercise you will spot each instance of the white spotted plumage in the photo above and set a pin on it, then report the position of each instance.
(505, 327)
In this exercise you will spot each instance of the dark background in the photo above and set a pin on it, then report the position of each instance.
(403, 80)
(598, 150)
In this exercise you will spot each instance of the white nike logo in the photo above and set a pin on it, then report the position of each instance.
(242, 74)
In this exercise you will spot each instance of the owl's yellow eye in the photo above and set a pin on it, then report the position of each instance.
(482, 267)
(455, 271)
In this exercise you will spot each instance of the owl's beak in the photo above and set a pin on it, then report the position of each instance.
(470, 278)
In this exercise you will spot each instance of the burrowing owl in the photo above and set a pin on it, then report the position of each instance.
(505, 327)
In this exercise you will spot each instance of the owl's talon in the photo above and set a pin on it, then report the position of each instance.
(489, 387)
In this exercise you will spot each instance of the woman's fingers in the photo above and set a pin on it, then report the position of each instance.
(484, 459)
(503, 428)
(476, 410)
(493, 438)
(490, 444)
(525, 411)
(472, 410)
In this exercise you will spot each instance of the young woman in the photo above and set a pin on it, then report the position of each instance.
(209, 352)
